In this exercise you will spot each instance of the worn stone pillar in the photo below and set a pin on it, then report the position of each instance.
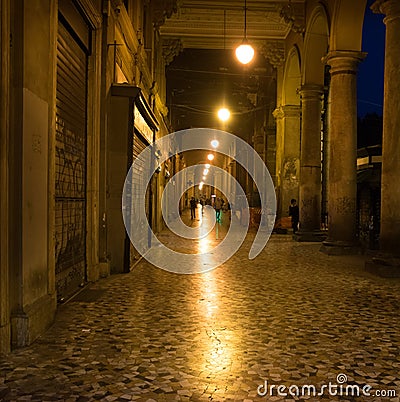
(5, 68)
(388, 264)
(342, 178)
(288, 156)
(270, 144)
(259, 133)
(310, 164)
(390, 206)
(31, 242)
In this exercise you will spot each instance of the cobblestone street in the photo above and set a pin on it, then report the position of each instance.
(292, 316)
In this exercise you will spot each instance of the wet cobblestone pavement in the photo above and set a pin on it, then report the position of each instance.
(292, 316)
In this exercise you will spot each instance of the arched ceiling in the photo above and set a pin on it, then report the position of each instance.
(315, 47)
(347, 25)
(292, 79)
(202, 73)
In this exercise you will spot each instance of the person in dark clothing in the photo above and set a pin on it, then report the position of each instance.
(218, 206)
(295, 214)
(202, 203)
(193, 205)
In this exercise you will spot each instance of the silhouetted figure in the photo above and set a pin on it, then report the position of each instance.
(295, 214)
(218, 205)
(193, 205)
(202, 203)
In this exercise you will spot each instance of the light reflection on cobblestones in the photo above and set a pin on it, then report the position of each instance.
(291, 316)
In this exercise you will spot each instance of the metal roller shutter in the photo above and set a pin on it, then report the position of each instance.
(138, 189)
(70, 160)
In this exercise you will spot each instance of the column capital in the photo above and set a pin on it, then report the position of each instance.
(391, 8)
(344, 61)
(170, 49)
(286, 111)
(162, 9)
(274, 51)
(311, 91)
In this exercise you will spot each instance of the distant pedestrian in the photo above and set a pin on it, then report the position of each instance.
(295, 214)
(193, 205)
(202, 203)
(218, 206)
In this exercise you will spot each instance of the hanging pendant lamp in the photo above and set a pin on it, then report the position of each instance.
(245, 51)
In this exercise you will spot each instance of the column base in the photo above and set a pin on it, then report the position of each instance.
(384, 265)
(310, 236)
(5, 339)
(30, 323)
(104, 269)
(331, 247)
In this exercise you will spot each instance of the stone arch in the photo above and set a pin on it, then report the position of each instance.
(347, 24)
(288, 134)
(292, 78)
(316, 43)
(312, 193)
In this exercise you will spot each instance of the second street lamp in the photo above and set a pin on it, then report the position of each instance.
(224, 114)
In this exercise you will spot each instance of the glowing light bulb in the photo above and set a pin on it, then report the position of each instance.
(245, 53)
(223, 115)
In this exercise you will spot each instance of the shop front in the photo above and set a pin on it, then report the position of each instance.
(132, 128)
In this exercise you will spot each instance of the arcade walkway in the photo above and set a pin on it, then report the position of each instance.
(292, 316)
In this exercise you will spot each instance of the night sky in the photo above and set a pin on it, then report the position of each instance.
(370, 75)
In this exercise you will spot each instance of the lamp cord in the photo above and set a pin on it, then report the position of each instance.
(245, 19)
(224, 29)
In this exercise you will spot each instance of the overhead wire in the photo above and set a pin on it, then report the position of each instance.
(204, 111)
(186, 70)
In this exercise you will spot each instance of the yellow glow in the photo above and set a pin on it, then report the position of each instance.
(209, 288)
(219, 345)
(210, 157)
(244, 53)
(223, 115)
(204, 245)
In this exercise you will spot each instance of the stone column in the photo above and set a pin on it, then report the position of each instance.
(5, 134)
(390, 205)
(32, 296)
(342, 178)
(287, 156)
(388, 263)
(310, 164)
(270, 143)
